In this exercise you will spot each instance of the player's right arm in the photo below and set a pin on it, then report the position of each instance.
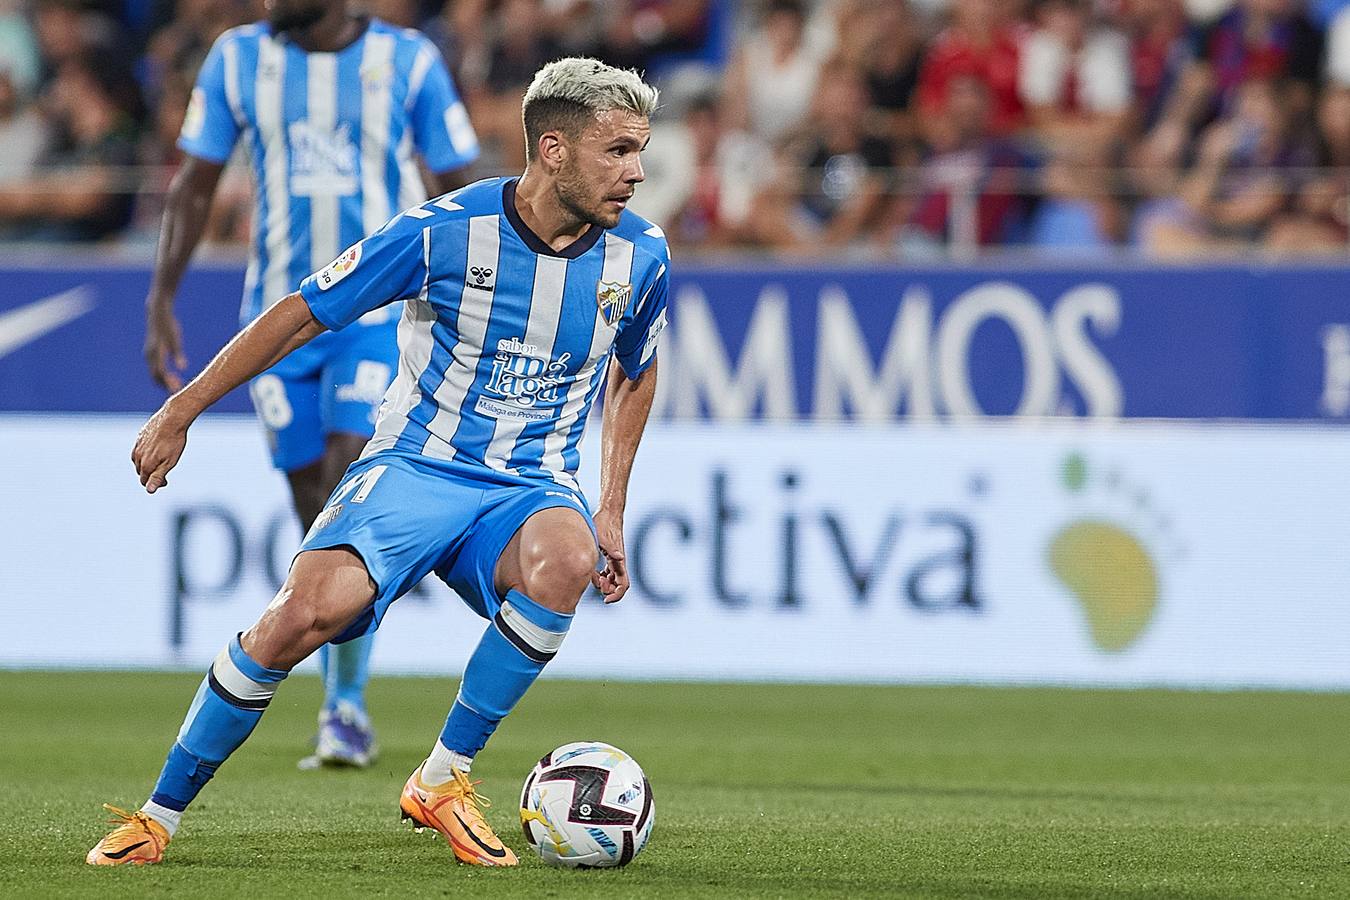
(185, 213)
(287, 325)
(389, 265)
(209, 132)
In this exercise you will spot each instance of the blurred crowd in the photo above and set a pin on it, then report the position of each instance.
(877, 128)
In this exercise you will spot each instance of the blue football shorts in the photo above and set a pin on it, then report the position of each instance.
(407, 515)
(333, 384)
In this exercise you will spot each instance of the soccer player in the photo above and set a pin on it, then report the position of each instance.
(330, 107)
(522, 297)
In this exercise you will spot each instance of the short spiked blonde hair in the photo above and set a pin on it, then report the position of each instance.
(567, 94)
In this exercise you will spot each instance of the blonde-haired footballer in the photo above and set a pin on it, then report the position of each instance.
(523, 297)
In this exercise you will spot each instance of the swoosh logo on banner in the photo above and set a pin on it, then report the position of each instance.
(25, 324)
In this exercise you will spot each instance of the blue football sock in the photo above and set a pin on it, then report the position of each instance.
(346, 669)
(228, 704)
(522, 638)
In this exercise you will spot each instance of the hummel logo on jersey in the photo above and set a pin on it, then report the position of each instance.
(612, 298)
(480, 278)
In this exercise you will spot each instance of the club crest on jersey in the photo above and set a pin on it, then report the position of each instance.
(376, 76)
(613, 297)
(339, 268)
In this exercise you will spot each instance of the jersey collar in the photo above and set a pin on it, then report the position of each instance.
(364, 23)
(536, 243)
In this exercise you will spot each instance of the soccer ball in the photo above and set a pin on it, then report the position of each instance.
(587, 805)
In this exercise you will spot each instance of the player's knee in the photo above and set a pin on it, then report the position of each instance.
(296, 612)
(558, 576)
(283, 626)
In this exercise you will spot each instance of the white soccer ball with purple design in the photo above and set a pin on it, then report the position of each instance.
(587, 805)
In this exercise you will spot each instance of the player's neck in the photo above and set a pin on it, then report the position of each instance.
(537, 204)
(330, 34)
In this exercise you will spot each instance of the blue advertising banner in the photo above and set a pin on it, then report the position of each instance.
(797, 343)
(71, 338)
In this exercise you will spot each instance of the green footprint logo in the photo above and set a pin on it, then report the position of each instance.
(1108, 569)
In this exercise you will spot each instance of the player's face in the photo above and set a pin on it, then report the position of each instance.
(603, 167)
(292, 15)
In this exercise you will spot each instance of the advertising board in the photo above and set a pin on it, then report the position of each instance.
(783, 343)
(1126, 554)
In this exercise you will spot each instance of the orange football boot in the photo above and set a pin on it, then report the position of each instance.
(138, 840)
(455, 810)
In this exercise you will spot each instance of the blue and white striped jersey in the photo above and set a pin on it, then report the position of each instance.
(504, 342)
(331, 139)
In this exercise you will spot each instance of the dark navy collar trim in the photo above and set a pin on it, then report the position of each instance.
(365, 22)
(536, 243)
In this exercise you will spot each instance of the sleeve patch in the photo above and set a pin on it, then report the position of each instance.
(462, 136)
(196, 115)
(653, 335)
(339, 268)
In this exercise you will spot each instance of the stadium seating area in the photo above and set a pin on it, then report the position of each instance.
(870, 128)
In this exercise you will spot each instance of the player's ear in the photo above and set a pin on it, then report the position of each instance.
(553, 151)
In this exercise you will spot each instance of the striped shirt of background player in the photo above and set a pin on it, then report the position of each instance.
(330, 137)
(456, 323)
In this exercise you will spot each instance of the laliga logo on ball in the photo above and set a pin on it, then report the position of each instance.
(587, 805)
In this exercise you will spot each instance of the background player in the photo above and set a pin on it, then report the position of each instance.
(524, 296)
(329, 106)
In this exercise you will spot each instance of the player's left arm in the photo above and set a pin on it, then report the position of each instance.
(629, 391)
(628, 402)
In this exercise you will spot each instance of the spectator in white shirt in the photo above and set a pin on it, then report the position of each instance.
(1074, 78)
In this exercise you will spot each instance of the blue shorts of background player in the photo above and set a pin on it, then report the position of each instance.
(407, 516)
(332, 385)
(330, 389)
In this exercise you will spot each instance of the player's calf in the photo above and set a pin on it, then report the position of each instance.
(229, 702)
(325, 591)
(541, 577)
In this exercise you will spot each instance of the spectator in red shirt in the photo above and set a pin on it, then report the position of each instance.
(1160, 53)
(982, 42)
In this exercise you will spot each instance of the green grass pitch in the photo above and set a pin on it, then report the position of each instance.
(761, 791)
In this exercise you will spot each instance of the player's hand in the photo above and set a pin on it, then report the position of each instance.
(164, 345)
(158, 447)
(612, 581)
